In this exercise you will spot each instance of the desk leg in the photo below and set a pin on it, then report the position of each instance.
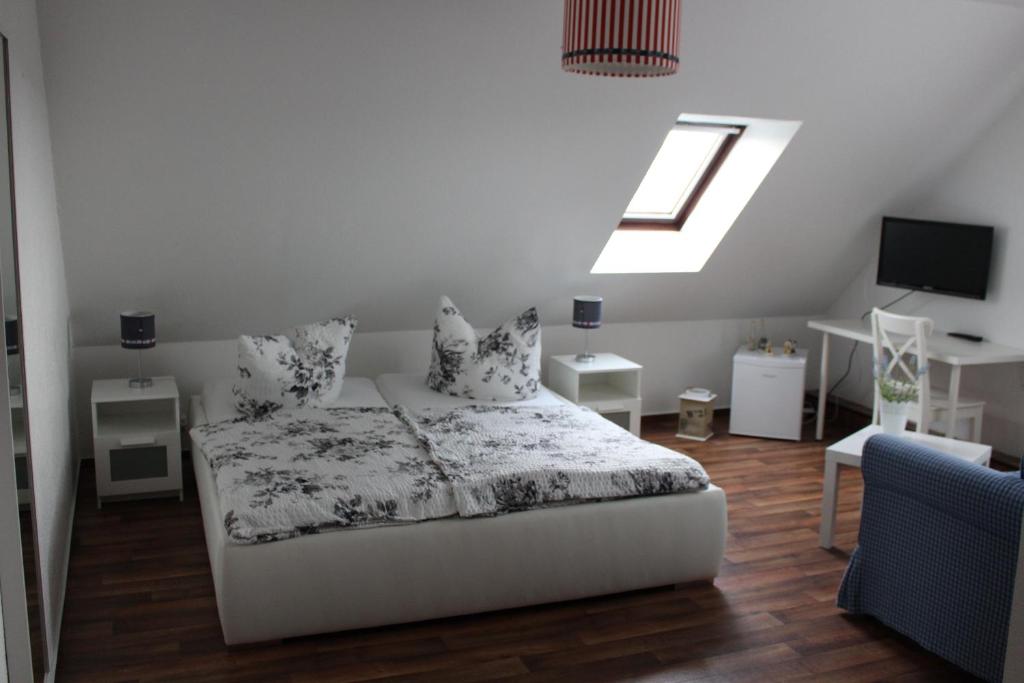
(954, 401)
(819, 429)
(829, 493)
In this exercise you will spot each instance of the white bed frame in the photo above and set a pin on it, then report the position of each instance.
(361, 578)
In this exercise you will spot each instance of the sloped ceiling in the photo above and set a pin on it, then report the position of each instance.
(241, 165)
(1008, 3)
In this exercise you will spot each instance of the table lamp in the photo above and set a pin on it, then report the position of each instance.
(138, 331)
(586, 315)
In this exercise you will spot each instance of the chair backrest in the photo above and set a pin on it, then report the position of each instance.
(901, 352)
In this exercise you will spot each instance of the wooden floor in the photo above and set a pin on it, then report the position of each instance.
(140, 604)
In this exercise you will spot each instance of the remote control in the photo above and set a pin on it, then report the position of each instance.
(964, 335)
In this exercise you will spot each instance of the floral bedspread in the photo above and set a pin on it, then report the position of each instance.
(307, 470)
(505, 459)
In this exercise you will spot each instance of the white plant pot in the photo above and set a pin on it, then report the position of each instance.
(894, 417)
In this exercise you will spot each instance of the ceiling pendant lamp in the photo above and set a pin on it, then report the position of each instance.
(638, 38)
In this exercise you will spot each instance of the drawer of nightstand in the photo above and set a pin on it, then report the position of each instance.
(138, 463)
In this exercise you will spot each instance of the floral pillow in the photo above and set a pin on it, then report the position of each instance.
(304, 369)
(501, 366)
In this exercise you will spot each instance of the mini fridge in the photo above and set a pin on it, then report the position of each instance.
(768, 394)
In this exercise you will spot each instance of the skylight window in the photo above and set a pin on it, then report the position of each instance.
(683, 169)
(706, 171)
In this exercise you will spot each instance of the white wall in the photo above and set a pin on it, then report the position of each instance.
(986, 186)
(45, 310)
(249, 164)
(675, 355)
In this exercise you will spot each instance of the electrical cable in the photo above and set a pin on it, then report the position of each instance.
(849, 360)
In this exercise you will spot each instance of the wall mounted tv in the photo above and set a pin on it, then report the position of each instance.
(944, 258)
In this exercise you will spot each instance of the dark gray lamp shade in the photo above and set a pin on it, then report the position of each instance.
(138, 330)
(11, 335)
(586, 312)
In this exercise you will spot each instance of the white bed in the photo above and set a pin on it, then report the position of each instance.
(360, 578)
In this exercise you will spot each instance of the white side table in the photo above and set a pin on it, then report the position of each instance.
(136, 439)
(609, 385)
(848, 452)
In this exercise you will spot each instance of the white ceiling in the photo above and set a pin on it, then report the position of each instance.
(242, 165)
(1008, 3)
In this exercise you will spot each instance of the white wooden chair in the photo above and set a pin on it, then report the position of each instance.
(901, 351)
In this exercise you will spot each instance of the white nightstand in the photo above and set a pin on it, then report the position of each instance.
(136, 439)
(610, 385)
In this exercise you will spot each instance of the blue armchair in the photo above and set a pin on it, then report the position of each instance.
(938, 558)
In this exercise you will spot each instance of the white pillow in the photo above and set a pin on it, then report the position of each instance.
(501, 366)
(305, 369)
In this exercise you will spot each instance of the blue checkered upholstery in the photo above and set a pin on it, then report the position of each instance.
(937, 554)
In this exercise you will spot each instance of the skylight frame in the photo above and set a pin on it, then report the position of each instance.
(690, 202)
(687, 251)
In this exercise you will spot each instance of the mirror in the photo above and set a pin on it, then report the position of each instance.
(9, 287)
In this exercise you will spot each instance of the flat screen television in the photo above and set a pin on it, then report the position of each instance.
(944, 258)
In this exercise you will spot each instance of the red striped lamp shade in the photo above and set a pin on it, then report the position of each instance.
(621, 37)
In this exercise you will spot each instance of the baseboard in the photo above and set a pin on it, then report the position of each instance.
(675, 413)
(811, 396)
(844, 403)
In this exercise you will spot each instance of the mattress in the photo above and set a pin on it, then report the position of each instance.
(411, 391)
(356, 392)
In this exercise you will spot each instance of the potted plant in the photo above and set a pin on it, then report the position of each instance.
(896, 399)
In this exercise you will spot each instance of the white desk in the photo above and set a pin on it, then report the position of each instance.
(941, 348)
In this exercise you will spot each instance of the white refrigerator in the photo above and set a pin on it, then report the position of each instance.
(768, 394)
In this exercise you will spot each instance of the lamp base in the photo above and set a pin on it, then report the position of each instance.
(585, 357)
(140, 383)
